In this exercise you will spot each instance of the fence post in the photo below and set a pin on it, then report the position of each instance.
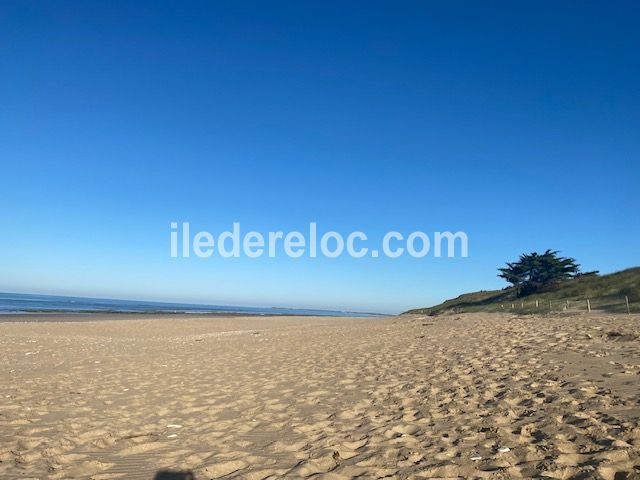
(536, 303)
(588, 305)
(626, 300)
(522, 304)
(512, 306)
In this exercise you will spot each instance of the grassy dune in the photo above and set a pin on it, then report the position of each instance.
(606, 292)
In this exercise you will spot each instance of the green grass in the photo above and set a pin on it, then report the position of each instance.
(605, 293)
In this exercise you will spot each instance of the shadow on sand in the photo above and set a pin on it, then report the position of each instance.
(174, 475)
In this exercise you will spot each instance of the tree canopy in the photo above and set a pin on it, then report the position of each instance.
(533, 271)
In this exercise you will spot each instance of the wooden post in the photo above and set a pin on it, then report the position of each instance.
(549, 306)
(536, 303)
(566, 305)
(522, 304)
(512, 306)
(626, 300)
(588, 305)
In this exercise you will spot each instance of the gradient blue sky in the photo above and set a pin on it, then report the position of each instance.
(515, 122)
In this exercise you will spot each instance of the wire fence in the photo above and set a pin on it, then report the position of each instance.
(612, 304)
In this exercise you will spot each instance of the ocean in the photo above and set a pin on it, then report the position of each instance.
(29, 303)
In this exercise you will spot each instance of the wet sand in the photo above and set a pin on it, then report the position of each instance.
(463, 396)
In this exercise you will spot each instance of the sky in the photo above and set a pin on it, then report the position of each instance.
(515, 122)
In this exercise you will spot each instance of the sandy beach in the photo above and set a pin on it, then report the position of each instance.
(463, 396)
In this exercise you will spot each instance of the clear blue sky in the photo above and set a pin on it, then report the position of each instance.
(515, 122)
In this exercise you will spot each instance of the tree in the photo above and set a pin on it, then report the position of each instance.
(533, 271)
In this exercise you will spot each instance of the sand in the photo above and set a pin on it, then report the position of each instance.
(463, 396)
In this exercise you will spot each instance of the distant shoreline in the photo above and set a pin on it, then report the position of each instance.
(28, 304)
(64, 316)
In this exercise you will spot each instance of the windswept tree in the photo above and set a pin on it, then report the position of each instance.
(533, 271)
